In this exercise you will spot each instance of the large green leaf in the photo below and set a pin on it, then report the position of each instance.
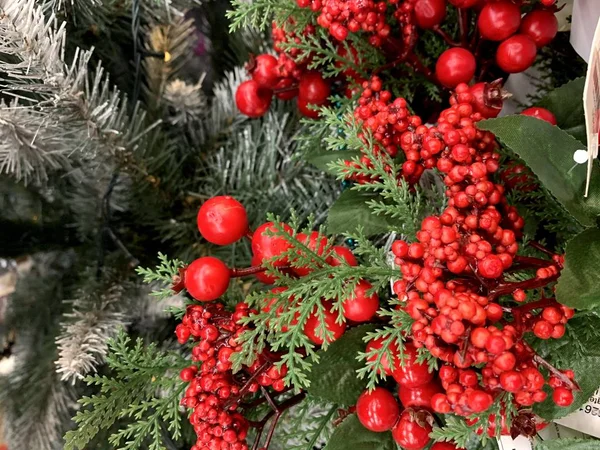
(568, 444)
(334, 377)
(322, 158)
(579, 282)
(566, 103)
(548, 151)
(351, 210)
(350, 434)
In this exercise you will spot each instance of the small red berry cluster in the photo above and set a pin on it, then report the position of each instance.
(452, 276)
(214, 392)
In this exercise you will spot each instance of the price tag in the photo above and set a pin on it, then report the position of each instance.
(551, 432)
(587, 419)
(591, 104)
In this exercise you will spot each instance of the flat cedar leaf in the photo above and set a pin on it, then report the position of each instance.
(548, 151)
(568, 444)
(351, 210)
(350, 434)
(565, 102)
(579, 282)
(321, 159)
(334, 377)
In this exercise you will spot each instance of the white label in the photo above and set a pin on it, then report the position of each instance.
(587, 419)
(551, 432)
(591, 104)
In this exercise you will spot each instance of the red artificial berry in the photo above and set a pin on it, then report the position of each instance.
(419, 396)
(480, 104)
(543, 329)
(540, 113)
(499, 20)
(188, 373)
(516, 54)
(308, 109)
(562, 396)
(455, 66)
(410, 432)
(183, 333)
(314, 328)
(222, 220)
(540, 25)
(429, 13)
(361, 306)
(206, 278)
(518, 176)
(479, 401)
(266, 246)
(408, 372)
(263, 277)
(445, 446)
(490, 267)
(265, 71)
(377, 410)
(313, 88)
(511, 381)
(253, 100)
(341, 254)
(464, 3)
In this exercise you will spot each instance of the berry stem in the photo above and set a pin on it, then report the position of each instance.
(463, 24)
(446, 37)
(285, 89)
(509, 288)
(236, 273)
(529, 261)
(543, 303)
(540, 247)
(276, 413)
(537, 359)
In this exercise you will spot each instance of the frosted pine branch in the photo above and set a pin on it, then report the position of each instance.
(82, 345)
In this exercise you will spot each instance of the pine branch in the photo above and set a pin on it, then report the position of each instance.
(164, 275)
(259, 14)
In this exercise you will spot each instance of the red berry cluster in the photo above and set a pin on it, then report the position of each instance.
(452, 276)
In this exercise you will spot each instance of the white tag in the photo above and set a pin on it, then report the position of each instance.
(591, 104)
(551, 432)
(587, 419)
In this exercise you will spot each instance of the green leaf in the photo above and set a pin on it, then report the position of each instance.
(579, 282)
(566, 104)
(548, 151)
(351, 434)
(568, 444)
(351, 211)
(322, 159)
(334, 377)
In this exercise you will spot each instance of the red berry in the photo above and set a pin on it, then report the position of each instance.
(361, 306)
(222, 220)
(377, 410)
(408, 372)
(307, 109)
(410, 432)
(340, 254)
(540, 25)
(206, 278)
(188, 373)
(313, 88)
(464, 3)
(265, 71)
(540, 113)
(429, 13)
(481, 104)
(562, 396)
(263, 277)
(183, 333)
(455, 66)
(499, 20)
(314, 328)
(479, 401)
(252, 100)
(543, 329)
(286, 89)
(511, 381)
(490, 267)
(517, 176)
(419, 396)
(266, 247)
(516, 54)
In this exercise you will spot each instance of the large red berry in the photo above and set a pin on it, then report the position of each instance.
(361, 306)
(266, 247)
(206, 278)
(377, 410)
(265, 71)
(562, 396)
(419, 396)
(408, 372)
(430, 13)
(540, 113)
(411, 433)
(455, 66)
(313, 88)
(307, 109)
(314, 327)
(481, 104)
(516, 54)
(499, 20)
(540, 25)
(252, 100)
(222, 220)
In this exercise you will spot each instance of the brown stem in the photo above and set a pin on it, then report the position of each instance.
(509, 288)
(249, 234)
(463, 23)
(446, 37)
(540, 247)
(543, 303)
(293, 87)
(539, 361)
(276, 412)
(236, 273)
(247, 384)
(529, 261)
